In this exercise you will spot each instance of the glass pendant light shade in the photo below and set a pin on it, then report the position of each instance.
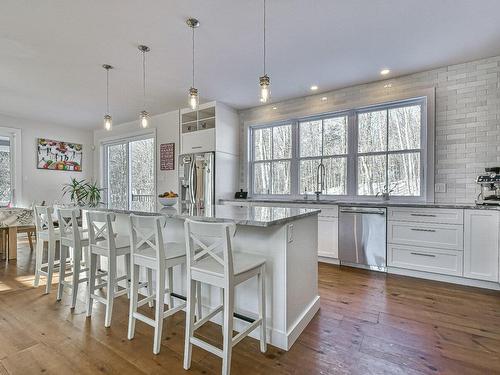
(108, 122)
(193, 98)
(144, 119)
(265, 92)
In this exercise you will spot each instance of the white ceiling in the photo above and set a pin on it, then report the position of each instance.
(51, 51)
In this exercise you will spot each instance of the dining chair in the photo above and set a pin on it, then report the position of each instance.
(216, 264)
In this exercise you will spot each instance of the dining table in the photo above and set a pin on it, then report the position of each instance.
(12, 218)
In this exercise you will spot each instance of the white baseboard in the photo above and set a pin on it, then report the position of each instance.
(444, 278)
(301, 323)
(329, 260)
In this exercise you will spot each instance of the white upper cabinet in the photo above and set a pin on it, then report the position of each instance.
(213, 127)
(481, 242)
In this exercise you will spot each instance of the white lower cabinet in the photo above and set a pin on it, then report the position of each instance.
(481, 242)
(328, 237)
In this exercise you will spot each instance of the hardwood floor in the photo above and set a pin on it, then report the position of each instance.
(369, 323)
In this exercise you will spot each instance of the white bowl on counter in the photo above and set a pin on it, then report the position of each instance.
(167, 202)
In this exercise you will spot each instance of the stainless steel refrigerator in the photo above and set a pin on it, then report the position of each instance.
(197, 179)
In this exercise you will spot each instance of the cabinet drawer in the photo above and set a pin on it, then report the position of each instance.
(198, 141)
(426, 215)
(328, 211)
(445, 262)
(442, 236)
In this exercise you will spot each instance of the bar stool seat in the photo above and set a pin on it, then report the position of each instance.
(242, 263)
(175, 250)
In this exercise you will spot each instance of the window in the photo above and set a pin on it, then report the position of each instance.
(5, 175)
(272, 154)
(389, 151)
(129, 174)
(323, 141)
(364, 152)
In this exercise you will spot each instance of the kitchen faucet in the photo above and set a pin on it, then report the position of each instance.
(320, 180)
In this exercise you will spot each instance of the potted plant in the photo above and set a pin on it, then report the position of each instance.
(83, 193)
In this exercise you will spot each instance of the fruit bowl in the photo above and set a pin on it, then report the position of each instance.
(167, 201)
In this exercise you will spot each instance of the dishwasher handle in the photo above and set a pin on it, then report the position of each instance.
(355, 210)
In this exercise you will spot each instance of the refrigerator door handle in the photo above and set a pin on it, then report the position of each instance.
(192, 181)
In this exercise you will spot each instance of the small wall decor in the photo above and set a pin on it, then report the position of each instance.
(59, 156)
(167, 156)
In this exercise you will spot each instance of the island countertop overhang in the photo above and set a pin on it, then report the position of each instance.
(252, 216)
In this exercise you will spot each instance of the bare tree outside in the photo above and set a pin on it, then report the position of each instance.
(5, 176)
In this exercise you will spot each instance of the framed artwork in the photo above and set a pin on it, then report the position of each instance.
(167, 156)
(58, 155)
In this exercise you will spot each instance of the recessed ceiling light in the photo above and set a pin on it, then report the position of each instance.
(324, 99)
(384, 72)
(314, 88)
(275, 108)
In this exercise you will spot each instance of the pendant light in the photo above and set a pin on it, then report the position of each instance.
(193, 23)
(144, 117)
(108, 121)
(264, 80)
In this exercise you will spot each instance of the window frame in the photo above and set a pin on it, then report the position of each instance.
(426, 150)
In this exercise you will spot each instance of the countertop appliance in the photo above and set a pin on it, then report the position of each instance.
(490, 186)
(362, 237)
(197, 179)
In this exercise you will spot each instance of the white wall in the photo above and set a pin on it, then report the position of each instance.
(40, 184)
(167, 131)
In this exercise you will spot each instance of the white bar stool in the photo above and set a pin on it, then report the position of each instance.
(148, 250)
(105, 243)
(217, 265)
(45, 232)
(76, 238)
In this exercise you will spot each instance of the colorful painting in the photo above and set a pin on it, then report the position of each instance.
(59, 156)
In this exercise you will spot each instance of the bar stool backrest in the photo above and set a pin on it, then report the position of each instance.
(146, 233)
(211, 239)
(44, 220)
(68, 224)
(101, 234)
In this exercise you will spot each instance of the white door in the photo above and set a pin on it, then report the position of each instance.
(7, 181)
(481, 244)
(327, 237)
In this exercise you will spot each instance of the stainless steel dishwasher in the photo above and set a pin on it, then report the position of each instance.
(362, 237)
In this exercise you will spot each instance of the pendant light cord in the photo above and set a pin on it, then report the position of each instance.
(264, 37)
(107, 91)
(144, 79)
(193, 55)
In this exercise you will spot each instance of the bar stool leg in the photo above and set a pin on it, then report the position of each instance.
(50, 265)
(149, 273)
(62, 274)
(127, 272)
(261, 279)
(198, 301)
(38, 261)
(160, 306)
(170, 278)
(77, 260)
(227, 346)
(92, 279)
(111, 284)
(189, 323)
(134, 295)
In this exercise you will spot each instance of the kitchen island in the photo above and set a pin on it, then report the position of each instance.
(286, 237)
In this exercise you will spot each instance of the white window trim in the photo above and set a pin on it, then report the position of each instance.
(427, 156)
(127, 137)
(14, 135)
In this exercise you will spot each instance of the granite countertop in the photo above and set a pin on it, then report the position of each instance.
(251, 216)
(380, 203)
